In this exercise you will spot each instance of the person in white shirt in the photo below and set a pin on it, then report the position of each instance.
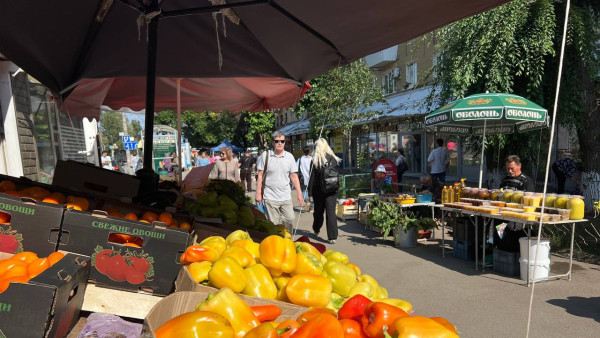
(439, 160)
(135, 159)
(105, 161)
(304, 164)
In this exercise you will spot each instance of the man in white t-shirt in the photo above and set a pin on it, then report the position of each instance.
(105, 161)
(304, 164)
(439, 160)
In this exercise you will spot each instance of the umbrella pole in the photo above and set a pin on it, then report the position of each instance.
(180, 171)
(150, 91)
(482, 152)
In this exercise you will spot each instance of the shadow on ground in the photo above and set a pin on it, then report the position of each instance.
(580, 306)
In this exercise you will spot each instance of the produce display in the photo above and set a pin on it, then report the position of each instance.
(150, 216)
(227, 200)
(22, 267)
(225, 314)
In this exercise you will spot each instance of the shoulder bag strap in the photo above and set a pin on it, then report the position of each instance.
(264, 175)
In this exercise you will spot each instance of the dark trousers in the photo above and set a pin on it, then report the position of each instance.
(325, 204)
(440, 176)
(561, 179)
(246, 175)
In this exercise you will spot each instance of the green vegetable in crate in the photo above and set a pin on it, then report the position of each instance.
(228, 188)
(266, 226)
(228, 203)
(245, 217)
(207, 200)
(230, 217)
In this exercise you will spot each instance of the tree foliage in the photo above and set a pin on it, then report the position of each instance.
(515, 48)
(339, 98)
(111, 124)
(202, 129)
(260, 126)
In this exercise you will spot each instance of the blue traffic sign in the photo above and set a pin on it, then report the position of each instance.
(130, 145)
(126, 138)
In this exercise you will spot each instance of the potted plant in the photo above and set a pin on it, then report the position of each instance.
(425, 227)
(384, 216)
(405, 233)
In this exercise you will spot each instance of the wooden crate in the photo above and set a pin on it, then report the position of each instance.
(346, 212)
(118, 302)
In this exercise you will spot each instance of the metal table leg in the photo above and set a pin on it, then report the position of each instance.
(476, 240)
(528, 253)
(571, 253)
(443, 234)
(483, 245)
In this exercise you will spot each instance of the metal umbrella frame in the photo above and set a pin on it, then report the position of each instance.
(488, 114)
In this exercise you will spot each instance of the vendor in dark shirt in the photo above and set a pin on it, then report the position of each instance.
(516, 179)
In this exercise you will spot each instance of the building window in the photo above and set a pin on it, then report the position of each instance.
(388, 83)
(411, 75)
(436, 59)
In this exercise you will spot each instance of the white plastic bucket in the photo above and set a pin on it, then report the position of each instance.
(544, 248)
(541, 272)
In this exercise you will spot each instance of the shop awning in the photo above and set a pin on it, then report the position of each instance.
(403, 104)
(296, 128)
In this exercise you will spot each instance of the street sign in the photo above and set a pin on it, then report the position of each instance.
(126, 138)
(130, 145)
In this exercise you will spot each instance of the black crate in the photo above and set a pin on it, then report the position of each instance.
(463, 249)
(506, 263)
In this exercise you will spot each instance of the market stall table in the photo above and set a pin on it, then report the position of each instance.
(487, 218)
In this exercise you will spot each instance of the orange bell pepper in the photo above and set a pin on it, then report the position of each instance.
(233, 308)
(355, 268)
(419, 326)
(352, 328)
(188, 325)
(266, 313)
(378, 317)
(310, 314)
(215, 242)
(199, 253)
(278, 253)
(287, 328)
(264, 330)
(321, 326)
(309, 290)
(445, 323)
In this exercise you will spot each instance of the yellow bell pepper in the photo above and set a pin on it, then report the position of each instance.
(355, 268)
(280, 283)
(199, 271)
(381, 292)
(249, 245)
(227, 272)
(370, 280)
(229, 305)
(336, 256)
(278, 253)
(264, 330)
(309, 291)
(215, 242)
(341, 276)
(260, 284)
(282, 231)
(307, 247)
(362, 288)
(241, 255)
(308, 264)
(190, 324)
(404, 305)
(236, 236)
(419, 326)
(336, 301)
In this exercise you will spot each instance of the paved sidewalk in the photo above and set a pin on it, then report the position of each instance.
(480, 304)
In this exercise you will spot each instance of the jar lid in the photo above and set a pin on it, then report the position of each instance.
(576, 196)
(564, 195)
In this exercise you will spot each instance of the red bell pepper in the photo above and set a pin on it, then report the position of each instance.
(287, 328)
(378, 318)
(352, 329)
(266, 313)
(310, 314)
(354, 308)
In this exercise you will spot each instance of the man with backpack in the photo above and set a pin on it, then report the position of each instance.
(401, 167)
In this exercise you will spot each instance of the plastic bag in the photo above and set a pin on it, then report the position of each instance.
(104, 325)
(500, 229)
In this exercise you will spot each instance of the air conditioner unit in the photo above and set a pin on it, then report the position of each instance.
(396, 72)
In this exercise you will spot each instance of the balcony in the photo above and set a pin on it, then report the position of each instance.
(383, 57)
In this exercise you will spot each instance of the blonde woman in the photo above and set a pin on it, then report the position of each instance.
(323, 188)
(227, 167)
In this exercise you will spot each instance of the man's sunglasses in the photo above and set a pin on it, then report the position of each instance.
(278, 141)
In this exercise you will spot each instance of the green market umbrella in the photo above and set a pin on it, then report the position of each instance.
(487, 114)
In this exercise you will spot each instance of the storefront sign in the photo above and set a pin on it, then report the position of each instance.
(381, 128)
(338, 144)
(453, 130)
(410, 126)
(439, 118)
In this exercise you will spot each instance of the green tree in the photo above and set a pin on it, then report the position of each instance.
(515, 48)
(338, 99)
(201, 129)
(260, 127)
(135, 129)
(111, 124)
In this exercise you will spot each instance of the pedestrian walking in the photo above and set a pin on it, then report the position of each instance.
(323, 187)
(439, 160)
(227, 167)
(246, 166)
(304, 167)
(401, 167)
(276, 168)
(202, 160)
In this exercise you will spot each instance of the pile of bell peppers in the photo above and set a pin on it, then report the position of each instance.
(299, 273)
(225, 314)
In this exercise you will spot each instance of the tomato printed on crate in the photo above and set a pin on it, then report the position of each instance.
(10, 240)
(133, 267)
